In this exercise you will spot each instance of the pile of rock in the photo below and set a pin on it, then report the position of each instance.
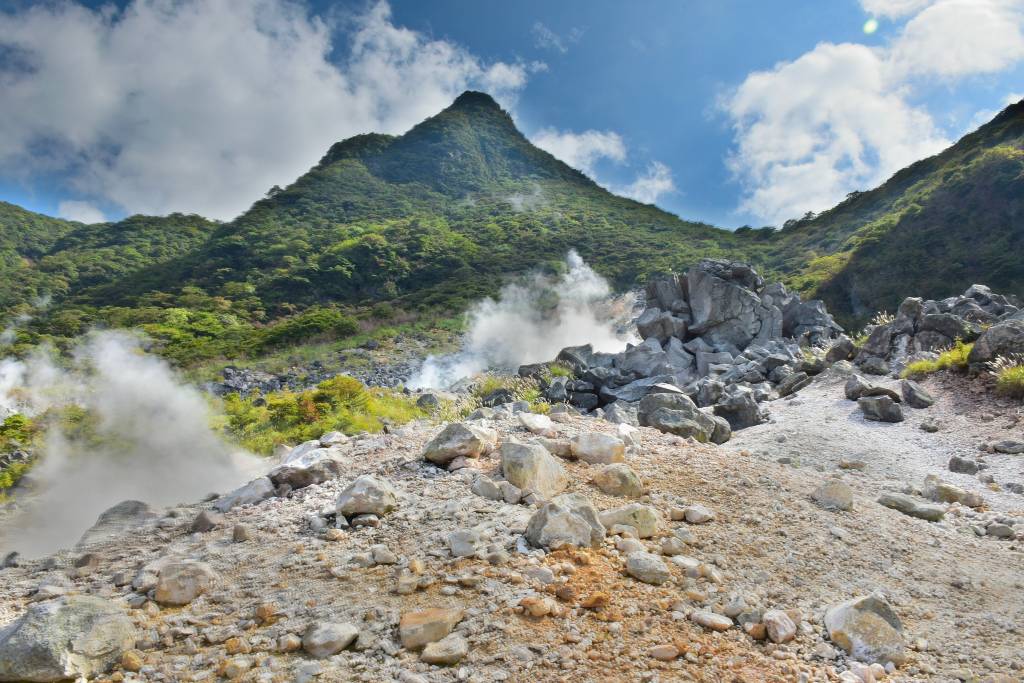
(718, 336)
(921, 327)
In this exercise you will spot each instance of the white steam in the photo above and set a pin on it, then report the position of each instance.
(152, 440)
(531, 323)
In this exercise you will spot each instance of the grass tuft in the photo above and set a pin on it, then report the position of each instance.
(1009, 375)
(954, 359)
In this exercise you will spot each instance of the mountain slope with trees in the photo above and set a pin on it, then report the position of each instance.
(443, 215)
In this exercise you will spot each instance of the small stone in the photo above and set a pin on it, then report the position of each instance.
(325, 639)
(697, 514)
(664, 653)
(538, 606)
(617, 479)
(598, 449)
(132, 660)
(207, 520)
(851, 464)
(289, 642)
(541, 425)
(180, 583)
(710, 620)
(834, 495)
(463, 543)
(868, 629)
(383, 555)
(647, 567)
(911, 507)
(449, 650)
(780, 627)
(419, 628)
(367, 495)
(643, 518)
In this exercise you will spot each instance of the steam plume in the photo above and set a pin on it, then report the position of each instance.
(152, 440)
(531, 323)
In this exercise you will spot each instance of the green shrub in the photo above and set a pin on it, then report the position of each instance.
(314, 324)
(287, 417)
(952, 359)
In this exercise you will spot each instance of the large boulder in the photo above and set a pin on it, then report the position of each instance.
(741, 410)
(116, 520)
(868, 629)
(880, 409)
(460, 439)
(1002, 339)
(307, 471)
(531, 467)
(367, 495)
(73, 637)
(914, 395)
(724, 304)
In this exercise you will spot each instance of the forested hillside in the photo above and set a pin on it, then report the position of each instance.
(429, 221)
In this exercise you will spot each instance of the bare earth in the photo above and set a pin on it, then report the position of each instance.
(960, 596)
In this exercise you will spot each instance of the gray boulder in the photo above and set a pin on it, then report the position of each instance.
(254, 492)
(531, 467)
(553, 526)
(1002, 339)
(72, 637)
(460, 439)
(741, 410)
(912, 507)
(868, 629)
(367, 495)
(880, 409)
(914, 395)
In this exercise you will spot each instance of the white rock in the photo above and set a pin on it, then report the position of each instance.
(643, 518)
(780, 627)
(540, 425)
(367, 495)
(530, 467)
(598, 449)
(180, 583)
(325, 639)
(647, 567)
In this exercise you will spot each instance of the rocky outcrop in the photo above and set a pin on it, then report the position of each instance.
(718, 335)
(921, 327)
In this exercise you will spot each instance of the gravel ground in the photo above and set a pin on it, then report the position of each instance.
(960, 597)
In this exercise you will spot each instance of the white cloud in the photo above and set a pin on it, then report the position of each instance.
(83, 212)
(956, 38)
(649, 186)
(894, 9)
(842, 117)
(582, 150)
(201, 105)
(544, 37)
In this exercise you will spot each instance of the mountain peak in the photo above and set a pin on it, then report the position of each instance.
(473, 99)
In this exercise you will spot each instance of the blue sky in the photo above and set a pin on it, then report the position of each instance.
(728, 111)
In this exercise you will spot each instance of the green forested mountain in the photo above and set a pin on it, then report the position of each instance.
(443, 214)
(933, 229)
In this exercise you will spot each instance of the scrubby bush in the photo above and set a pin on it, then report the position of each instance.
(954, 359)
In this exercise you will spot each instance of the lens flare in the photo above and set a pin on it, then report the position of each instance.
(870, 26)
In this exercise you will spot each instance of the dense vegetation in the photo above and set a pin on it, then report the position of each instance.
(935, 228)
(441, 216)
(291, 417)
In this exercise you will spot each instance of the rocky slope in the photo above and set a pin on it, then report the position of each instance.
(284, 587)
(860, 529)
